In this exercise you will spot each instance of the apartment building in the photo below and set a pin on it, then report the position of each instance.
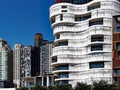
(32, 64)
(6, 63)
(16, 64)
(83, 40)
(116, 49)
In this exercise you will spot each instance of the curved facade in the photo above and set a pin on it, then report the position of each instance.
(73, 1)
(83, 41)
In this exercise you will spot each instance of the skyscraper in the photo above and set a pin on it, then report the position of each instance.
(32, 64)
(5, 62)
(26, 65)
(39, 41)
(83, 40)
(16, 64)
(45, 59)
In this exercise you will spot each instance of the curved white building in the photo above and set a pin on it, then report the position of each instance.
(83, 40)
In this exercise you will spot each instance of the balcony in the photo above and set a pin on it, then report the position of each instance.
(104, 30)
(117, 29)
(118, 45)
(74, 59)
(54, 59)
(96, 22)
(61, 67)
(82, 18)
(96, 65)
(63, 75)
(97, 48)
(63, 82)
(116, 72)
(97, 39)
(93, 6)
(62, 43)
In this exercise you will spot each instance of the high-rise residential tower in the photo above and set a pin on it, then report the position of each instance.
(32, 64)
(83, 40)
(116, 49)
(5, 62)
(16, 64)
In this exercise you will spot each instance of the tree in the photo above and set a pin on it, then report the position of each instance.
(52, 88)
(22, 88)
(38, 87)
(64, 87)
(82, 86)
(102, 85)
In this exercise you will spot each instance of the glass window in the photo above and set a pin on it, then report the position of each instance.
(98, 22)
(95, 6)
(97, 38)
(118, 54)
(61, 17)
(63, 67)
(64, 10)
(54, 59)
(96, 47)
(116, 81)
(118, 45)
(53, 20)
(117, 72)
(118, 29)
(82, 18)
(96, 65)
(64, 82)
(63, 43)
(64, 75)
(64, 6)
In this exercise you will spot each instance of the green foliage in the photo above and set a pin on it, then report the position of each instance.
(52, 88)
(82, 86)
(22, 88)
(118, 87)
(102, 85)
(64, 87)
(38, 87)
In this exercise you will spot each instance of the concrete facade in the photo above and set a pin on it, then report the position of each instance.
(83, 40)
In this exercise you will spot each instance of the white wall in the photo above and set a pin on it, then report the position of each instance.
(7, 88)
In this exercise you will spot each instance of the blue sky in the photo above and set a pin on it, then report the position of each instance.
(21, 19)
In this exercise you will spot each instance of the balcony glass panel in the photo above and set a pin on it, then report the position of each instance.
(100, 22)
(117, 29)
(96, 65)
(115, 80)
(97, 47)
(93, 7)
(63, 44)
(97, 39)
(118, 45)
(54, 59)
(63, 75)
(62, 82)
(117, 72)
(53, 20)
(64, 10)
(63, 67)
(64, 6)
(118, 54)
(80, 18)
